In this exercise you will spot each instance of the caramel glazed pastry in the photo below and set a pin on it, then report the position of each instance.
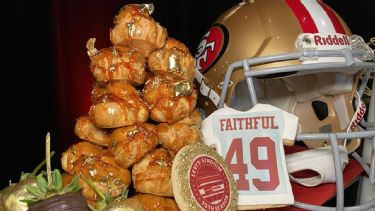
(179, 134)
(117, 104)
(85, 129)
(143, 202)
(153, 174)
(169, 101)
(76, 150)
(116, 63)
(130, 144)
(134, 27)
(96, 164)
(154, 202)
(170, 93)
(173, 62)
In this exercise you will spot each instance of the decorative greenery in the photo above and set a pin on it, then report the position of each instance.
(50, 187)
(44, 191)
(106, 198)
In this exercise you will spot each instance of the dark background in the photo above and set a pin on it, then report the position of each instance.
(45, 80)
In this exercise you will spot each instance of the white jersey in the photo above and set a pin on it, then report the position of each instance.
(251, 144)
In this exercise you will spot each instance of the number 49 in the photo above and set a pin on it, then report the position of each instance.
(240, 168)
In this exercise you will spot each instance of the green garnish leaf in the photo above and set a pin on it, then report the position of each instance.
(57, 180)
(73, 186)
(42, 184)
(29, 200)
(35, 191)
(91, 184)
(108, 198)
(124, 194)
(92, 208)
(25, 176)
(48, 183)
(101, 205)
(51, 189)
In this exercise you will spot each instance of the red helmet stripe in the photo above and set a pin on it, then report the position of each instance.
(304, 18)
(334, 19)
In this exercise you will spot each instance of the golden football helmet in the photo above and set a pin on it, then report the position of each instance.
(266, 40)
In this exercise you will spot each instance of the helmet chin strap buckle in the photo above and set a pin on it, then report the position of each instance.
(206, 89)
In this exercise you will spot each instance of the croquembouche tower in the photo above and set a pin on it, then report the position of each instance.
(143, 111)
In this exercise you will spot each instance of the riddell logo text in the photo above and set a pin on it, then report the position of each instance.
(331, 40)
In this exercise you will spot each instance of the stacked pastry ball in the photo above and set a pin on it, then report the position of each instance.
(143, 112)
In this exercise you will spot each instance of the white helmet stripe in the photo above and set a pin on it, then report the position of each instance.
(320, 17)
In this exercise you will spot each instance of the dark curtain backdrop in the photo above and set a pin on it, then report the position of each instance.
(45, 78)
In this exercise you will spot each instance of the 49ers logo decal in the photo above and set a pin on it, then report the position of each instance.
(211, 47)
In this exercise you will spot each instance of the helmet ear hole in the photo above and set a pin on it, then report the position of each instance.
(320, 109)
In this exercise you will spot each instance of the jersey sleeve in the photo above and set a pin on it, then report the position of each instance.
(291, 125)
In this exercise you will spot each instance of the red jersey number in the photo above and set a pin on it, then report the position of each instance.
(241, 169)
